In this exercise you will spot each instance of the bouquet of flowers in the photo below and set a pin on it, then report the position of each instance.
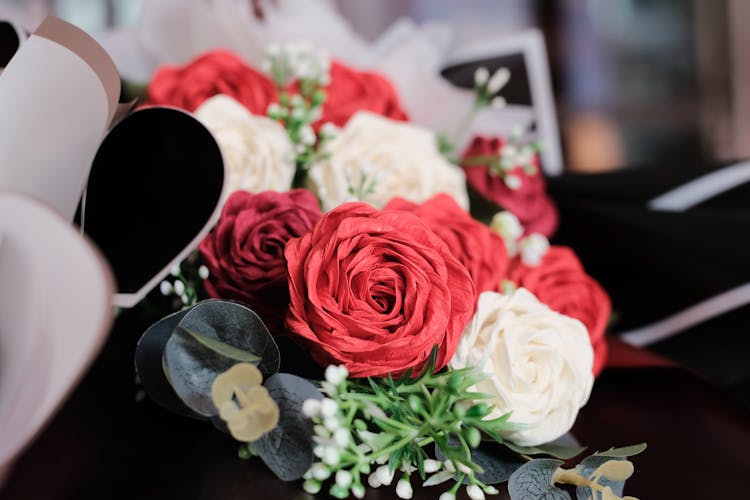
(452, 346)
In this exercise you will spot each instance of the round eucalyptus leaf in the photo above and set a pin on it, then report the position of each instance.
(533, 481)
(288, 449)
(148, 365)
(208, 341)
(587, 467)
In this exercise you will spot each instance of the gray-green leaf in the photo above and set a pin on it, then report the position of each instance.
(223, 348)
(287, 449)
(624, 452)
(551, 449)
(533, 481)
(192, 365)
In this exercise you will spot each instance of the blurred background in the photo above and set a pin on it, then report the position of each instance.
(636, 81)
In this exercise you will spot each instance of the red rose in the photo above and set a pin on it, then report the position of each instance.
(480, 250)
(375, 291)
(244, 254)
(351, 91)
(215, 72)
(561, 282)
(530, 202)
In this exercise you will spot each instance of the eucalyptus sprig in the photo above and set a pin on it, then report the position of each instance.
(382, 427)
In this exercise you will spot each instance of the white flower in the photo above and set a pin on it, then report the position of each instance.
(533, 248)
(498, 80)
(336, 374)
(404, 160)
(498, 102)
(331, 456)
(342, 437)
(165, 287)
(538, 363)
(448, 495)
(481, 75)
(311, 408)
(384, 475)
(328, 408)
(358, 490)
(311, 486)
(507, 225)
(344, 478)
(475, 492)
(320, 471)
(512, 181)
(431, 465)
(257, 151)
(404, 489)
(203, 272)
(179, 287)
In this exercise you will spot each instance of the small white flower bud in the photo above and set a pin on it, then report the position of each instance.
(185, 299)
(449, 466)
(382, 459)
(533, 248)
(273, 109)
(498, 80)
(311, 486)
(307, 135)
(431, 465)
(344, 478)
(448, 495)
(203, 272)
(513, 182)
(175, 271)
(507, 225)
(320, 471)
(481, 75)
(336, 374)
(384, 474)
(318, 451)
(322, 431)
(328, 408)
(404, 489)
(491, 490)
(331, 456)
(179, 287)
(342, 437)
(475, 492)
(374, 481)
(358, 490)
(463, 468)
(332, 423)
(498, 102)
(165, 287)
(311, 408)
(329, 130)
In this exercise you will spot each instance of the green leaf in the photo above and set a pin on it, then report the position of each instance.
(624, 452)
(533, 481)
(554, 450)
(191, 366)
(222, 348)
(287, 449)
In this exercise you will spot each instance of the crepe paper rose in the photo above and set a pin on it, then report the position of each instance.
(243, 403)
(215, 72)
(480, 250)
(374, 159)
(526, 196)
(257, 151)
(375, 291)
(561, 282)
(244, 254)
(538, 363)
(351, 90)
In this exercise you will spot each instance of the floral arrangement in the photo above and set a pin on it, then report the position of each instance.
(450, 347)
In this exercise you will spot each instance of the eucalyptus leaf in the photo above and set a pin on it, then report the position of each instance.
(624, 452)
(587, 466)
(497, 462)
(533, 481)
(554, 450)
(148, 365)
(288, 449)
(223, 348)
(192, 365)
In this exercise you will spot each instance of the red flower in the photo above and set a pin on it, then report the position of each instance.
(561, 282)
(375, 291)
(530, 202)
(480, 250)
(351, 90)
(215, 72)
(245, 252)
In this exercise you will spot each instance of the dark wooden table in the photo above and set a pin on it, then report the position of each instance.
(104, 444)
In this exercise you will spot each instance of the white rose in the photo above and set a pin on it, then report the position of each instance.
(257, 151)
(374, 159)
(538, 363)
